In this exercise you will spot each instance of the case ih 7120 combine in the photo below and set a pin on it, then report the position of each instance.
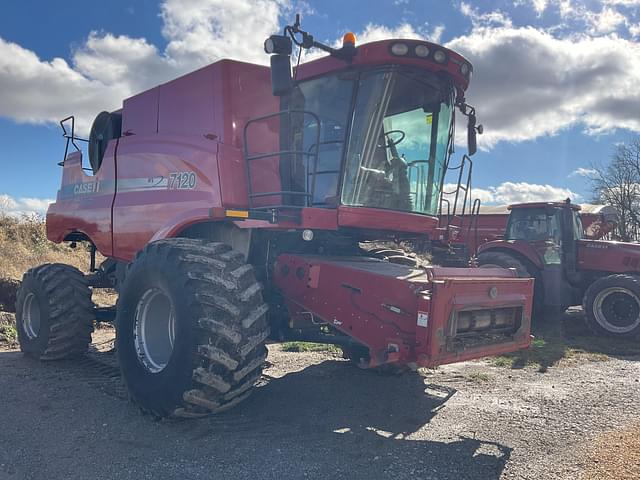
(234, 204)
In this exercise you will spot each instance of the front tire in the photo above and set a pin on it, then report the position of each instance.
(191, 327)
(612, 306)
(54, 312)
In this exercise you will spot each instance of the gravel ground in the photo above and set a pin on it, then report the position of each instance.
(317, 416)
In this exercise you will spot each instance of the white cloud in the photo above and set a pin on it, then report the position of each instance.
(583, 172)
(528, 83)
(518, 192)
(23, 206)
(108, 68)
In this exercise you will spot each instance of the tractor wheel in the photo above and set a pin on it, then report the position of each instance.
(612, 306)
(191, 328)
(504, 260)
(54, 312)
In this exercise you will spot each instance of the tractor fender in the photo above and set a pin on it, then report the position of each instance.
(518, 248)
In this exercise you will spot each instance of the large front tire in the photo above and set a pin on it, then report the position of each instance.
(612, 306)
(54, 312)
(191, 327)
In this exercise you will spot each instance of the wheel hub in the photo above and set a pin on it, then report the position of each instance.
(617, 310)
(154, 330)
(31, 316)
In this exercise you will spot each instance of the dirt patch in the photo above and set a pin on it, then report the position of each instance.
(615, 454)
(8, 289)
(8, 334)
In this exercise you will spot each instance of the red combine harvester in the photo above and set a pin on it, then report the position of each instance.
(561, 248)
(235, 203)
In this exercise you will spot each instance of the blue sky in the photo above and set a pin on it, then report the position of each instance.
(555, 81)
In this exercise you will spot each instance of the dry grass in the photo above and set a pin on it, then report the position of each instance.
(24, 244)
(614, 455)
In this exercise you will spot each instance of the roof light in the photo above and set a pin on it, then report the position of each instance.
(349, 38)
(399, 49)
(439, 56)
(422, 51)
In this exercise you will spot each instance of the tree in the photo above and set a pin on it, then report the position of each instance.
(618, 184)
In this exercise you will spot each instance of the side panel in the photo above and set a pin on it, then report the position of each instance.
(162, 183)
(608, 256)
(83, 203)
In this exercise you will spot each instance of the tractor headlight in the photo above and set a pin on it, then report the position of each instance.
(399, 49)
(464, 69)
(422, 51)
(439, 56)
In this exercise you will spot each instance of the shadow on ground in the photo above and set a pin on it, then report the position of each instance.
(329, 420)
(565, 336)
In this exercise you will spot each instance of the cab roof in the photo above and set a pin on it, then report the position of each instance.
(573, 206)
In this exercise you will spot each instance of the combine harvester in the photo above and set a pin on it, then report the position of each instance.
(233, 205)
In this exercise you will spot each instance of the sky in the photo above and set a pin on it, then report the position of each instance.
(556, 83)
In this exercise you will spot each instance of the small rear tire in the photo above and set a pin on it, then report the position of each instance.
(191, 328)
(612, 306)
(54, 312)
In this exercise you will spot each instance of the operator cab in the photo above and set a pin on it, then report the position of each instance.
(545, 226)
(389, 127)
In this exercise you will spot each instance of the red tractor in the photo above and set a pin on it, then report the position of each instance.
(546, 241)
(238, 203)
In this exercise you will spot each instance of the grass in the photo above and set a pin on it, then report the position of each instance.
(566, 339)
(309, 347)
(8, 333)
(479, 377)
(24, 244)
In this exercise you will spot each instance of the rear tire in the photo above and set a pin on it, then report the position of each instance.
(504, 260)
(54, 312)
(191, 327)
(612, 306)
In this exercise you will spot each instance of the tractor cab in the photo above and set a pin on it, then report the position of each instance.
(549, 228)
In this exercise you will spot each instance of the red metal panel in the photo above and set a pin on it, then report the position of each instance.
(608, 256)
(83, 203)
(386, 220)
(146, 202)
(522, 247)
(140, 113)
(187, 105)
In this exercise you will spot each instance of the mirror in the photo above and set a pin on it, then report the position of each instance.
(472, 145)
(281, 81)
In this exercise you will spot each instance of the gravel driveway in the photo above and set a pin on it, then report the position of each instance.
(317, 416)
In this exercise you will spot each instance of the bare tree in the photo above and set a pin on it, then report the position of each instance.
(618, 184)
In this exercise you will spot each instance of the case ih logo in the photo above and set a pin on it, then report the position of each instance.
(89, 187)
(596, 245)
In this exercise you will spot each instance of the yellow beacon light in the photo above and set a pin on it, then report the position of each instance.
(349, 39)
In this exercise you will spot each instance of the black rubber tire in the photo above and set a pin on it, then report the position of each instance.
(629, 282)
(66, 312)
(506, 260)
(220, 330)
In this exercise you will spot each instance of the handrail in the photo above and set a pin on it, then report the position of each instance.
(70, 137)
(310, 156)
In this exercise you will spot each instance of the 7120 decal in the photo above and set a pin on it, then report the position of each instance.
(182, 181)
